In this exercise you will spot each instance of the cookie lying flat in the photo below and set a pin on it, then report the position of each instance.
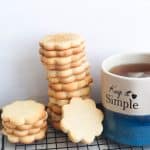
(69, 79)
(67, 66)
(61, 60)
(64, 95)
(81, 120)
(59, 102)
(21, 133)
(73, 85)
(55, 108)
(25, 139)
(37, 124)
(63, 53)
(55, 124)
(61, 41)
(62, 102)
(53, 116)
(68, 72)
(23, 112)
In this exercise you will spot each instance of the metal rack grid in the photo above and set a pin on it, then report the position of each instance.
(56, 140)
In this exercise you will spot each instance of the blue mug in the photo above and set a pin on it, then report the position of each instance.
(126, 101)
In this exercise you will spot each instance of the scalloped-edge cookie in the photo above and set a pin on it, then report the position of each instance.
(68, 72)
(61, 41)
(37, 124)
(54, 124)
(64, 95)
(55, 108)
(21, 133)
(23, 112)
(61, 60)
(59, 102)
(73, 85)
(69, 79)
(67, 66)
(81, 120)
(53, 116)
(25, 139)
(63, 53)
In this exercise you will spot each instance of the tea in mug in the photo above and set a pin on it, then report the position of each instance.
(141, 70)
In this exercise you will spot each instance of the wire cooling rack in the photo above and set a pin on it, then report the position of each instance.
(56, 140)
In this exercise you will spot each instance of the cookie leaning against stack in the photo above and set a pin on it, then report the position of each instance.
(64, 57)
(24, 121)
(81, 120)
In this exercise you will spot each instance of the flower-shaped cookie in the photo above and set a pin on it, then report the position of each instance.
(81, 120)
(28, 139)
(23, 112)
(61, 41)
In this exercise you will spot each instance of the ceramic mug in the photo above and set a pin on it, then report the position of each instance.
(126, 101)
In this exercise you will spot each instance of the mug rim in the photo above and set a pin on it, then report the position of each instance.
(119, 76)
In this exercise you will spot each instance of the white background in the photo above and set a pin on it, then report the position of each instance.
(109, 27)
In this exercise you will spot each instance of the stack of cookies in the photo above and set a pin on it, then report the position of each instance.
(24, 121)
(64, 57)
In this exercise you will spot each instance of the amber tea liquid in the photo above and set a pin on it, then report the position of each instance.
(141, 70)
